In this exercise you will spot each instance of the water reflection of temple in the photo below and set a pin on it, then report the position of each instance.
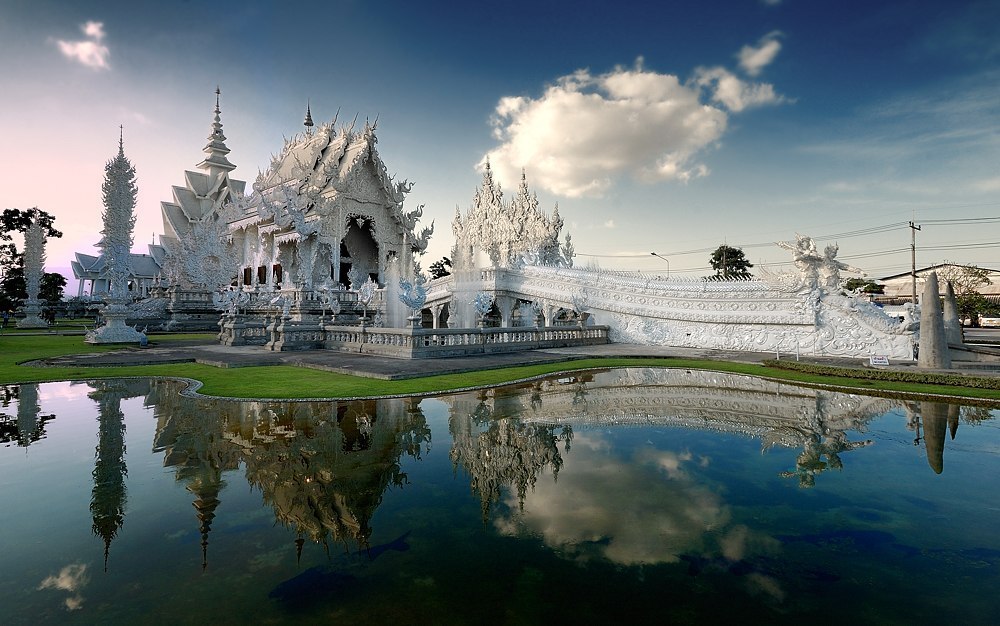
(28, 426)
(323, 467)
(107, 502)
(497, 448)
(816, 421)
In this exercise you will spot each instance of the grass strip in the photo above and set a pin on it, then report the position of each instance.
(290, 382)
(956, 379)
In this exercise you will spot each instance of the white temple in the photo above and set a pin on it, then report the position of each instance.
(324, 229)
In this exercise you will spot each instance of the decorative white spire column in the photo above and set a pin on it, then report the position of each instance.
(119, 191)
(34, 267)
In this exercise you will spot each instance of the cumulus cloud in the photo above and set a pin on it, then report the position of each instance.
(734, 93)
(71, 579)
(587, 130)
(91, 52)
(753, 59)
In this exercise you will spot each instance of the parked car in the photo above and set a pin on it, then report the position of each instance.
(989, 322)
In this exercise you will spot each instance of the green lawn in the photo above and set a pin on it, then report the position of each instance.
(291, 382)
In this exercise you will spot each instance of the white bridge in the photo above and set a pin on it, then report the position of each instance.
(775, 313)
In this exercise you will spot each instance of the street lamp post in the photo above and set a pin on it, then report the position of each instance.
(665, 259)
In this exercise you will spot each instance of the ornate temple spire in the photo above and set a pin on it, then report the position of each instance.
(216, 149)
(206, 489)
(308, 122)
(119, 193)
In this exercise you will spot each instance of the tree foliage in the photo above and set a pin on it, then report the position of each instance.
(729, 263)
(439, 269)
(967, 280)
(863, 285)
(13, 289)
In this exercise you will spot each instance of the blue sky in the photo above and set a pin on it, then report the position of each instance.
(661, 126)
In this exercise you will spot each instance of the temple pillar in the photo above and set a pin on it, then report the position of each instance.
(548, 310)
(436, 315)
(505, 304)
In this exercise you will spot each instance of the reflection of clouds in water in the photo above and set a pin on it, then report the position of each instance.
(63, 394)
(758, 583)
(739, 542)
(646, 511)
(650, 509)
(72, 579)
(670, 462)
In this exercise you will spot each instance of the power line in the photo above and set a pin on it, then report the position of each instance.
(861, 232)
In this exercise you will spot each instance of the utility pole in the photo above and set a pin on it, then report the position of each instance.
(913, 260)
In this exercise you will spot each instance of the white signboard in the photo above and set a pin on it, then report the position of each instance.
(878, 359)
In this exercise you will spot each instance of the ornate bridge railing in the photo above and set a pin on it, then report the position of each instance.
(426, 343)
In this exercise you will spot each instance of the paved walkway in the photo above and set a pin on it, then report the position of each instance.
(210, 353)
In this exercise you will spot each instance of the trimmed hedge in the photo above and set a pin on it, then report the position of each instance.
(900, 376)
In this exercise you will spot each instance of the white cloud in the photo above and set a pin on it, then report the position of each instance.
(734, 93)
(586, 130)
(987, 184)
(609, 224)
(70, 579)
(754, 59)
(90, 51)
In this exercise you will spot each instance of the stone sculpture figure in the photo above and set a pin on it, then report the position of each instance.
(831, 268)
(806, 259)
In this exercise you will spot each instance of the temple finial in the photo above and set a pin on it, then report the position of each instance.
(308, 122)
(216, 147)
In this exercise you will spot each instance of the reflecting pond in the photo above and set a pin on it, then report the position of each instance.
(634, 495)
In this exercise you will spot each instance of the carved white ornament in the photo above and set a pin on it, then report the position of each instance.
(414, 294)
(482, 303)
(34, 268)
(509, 233)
